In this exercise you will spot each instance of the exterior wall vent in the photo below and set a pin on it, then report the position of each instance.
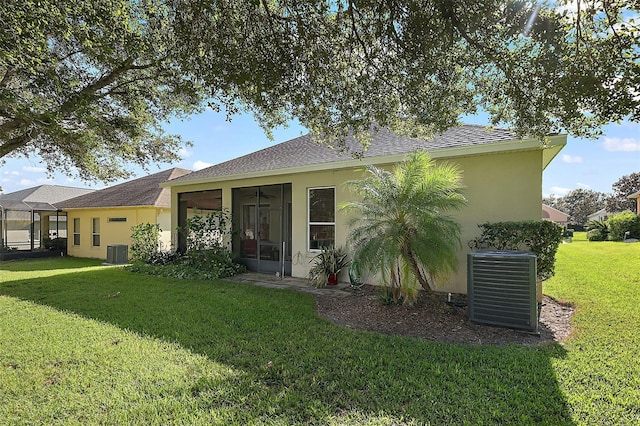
(501, 289)
(118, 254)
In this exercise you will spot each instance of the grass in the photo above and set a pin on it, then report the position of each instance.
(601, 375)
(85, 344)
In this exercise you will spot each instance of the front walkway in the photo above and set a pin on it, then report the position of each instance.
(290, 283)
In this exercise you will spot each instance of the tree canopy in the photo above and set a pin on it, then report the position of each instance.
(578, 204)
(87, 86)
(622, 188)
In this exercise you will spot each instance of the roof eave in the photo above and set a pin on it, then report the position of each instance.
(146, 206)
(553, 146)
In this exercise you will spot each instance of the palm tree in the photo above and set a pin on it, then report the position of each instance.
(401, 226)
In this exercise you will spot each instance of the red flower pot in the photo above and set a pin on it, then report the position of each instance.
(332, 279)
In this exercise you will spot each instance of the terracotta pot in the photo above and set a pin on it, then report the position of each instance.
(332, 279)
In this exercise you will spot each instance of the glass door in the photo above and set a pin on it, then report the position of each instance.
(262, 216)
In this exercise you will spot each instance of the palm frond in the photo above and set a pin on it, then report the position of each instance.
(401, 225)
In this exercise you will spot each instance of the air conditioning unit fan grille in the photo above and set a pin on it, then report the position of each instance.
(501, 289)
(117, 254)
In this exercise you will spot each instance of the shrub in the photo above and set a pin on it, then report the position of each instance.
(598, 230)
(621, 223)
(200, 265)
(208, 232)
(596, 234)
(206, 257)
(540, 237)
(577, 227)
(145, 246)
(55, 243)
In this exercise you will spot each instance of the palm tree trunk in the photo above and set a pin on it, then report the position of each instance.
(422, 279)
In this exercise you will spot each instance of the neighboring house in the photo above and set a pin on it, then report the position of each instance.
(105, 217)
(285, 199)
(30, 215)
(598, 216)
(636, 196)
(554, 215)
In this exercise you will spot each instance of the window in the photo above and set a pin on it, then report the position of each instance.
(322, 217)
(117, 219)
(95, 231)
(76, 231)
(192, 204)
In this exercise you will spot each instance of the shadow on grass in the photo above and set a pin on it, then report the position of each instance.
(48, 264)
(303, 369)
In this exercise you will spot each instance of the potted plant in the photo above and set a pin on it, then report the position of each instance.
(327, 265)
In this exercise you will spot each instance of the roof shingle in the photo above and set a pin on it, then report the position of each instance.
(303, 151)
(43, 197)
(144, 191)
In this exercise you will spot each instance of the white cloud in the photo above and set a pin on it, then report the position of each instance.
(569, 159)
(32, 169)
(621, 144)
(184, 152)
(12, 173)
(199, 165)
(558, 190)
(583, 185)
(27, 182)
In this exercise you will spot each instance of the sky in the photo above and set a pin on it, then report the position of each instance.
(583, 163)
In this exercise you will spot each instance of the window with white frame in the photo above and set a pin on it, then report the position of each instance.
(322, 217)
(95, 231)
(76, 231)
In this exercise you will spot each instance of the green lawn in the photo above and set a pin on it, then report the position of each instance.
(85, 344)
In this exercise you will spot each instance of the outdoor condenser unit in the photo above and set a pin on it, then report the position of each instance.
(117, 254)
(501, 289)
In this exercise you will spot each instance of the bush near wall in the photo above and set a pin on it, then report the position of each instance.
(621, 223)
(542, 237)
(207, 256)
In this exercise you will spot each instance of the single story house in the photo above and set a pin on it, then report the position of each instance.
(554, 215)
(29, 216)
(598, 216)
(285, 199)
(636, 196)
(105, 217)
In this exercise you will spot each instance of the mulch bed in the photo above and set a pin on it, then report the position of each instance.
(431, 318)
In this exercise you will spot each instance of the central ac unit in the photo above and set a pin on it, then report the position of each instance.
(117, 254)
(501, 289)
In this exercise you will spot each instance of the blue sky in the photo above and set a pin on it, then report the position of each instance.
(583, 163)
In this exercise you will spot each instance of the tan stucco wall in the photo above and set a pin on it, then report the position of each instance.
(499, 187)
(110, 232)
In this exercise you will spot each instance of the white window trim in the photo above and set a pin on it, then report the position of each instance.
(76, 231)
(94, 233)
(309, 223)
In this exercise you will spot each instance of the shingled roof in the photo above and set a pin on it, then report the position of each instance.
(303, 151)
(144, 191)
(42, 198)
